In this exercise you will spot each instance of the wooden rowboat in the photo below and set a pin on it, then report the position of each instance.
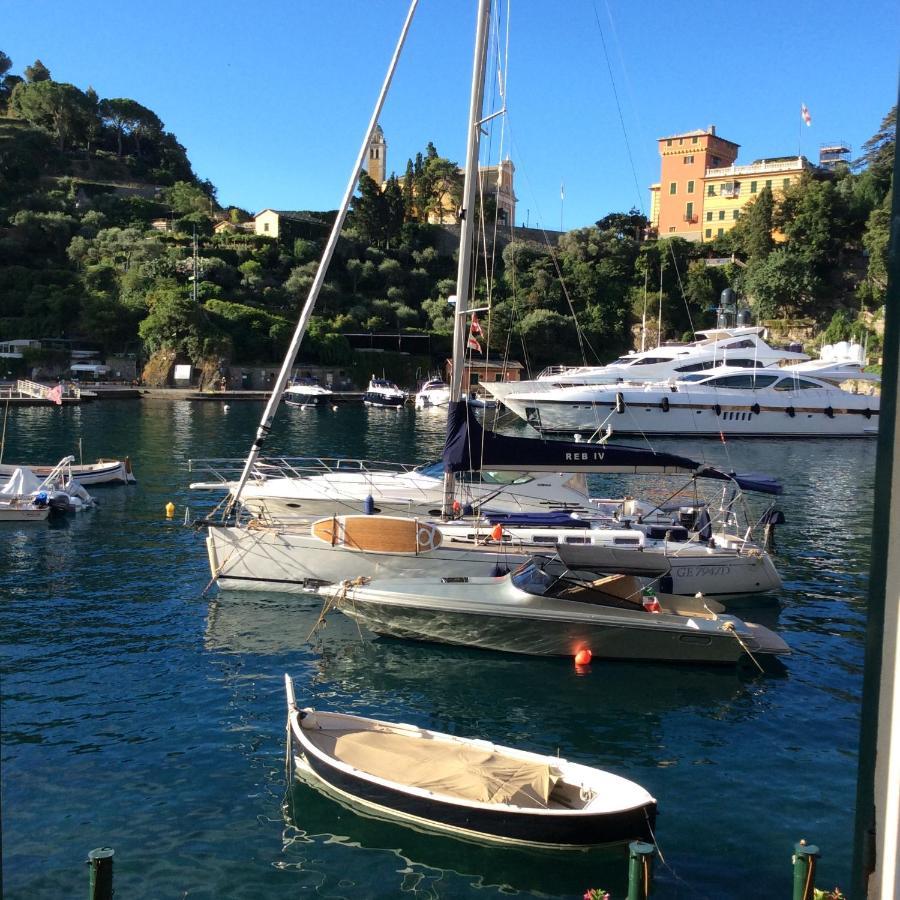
(462, 786)
(104, 471)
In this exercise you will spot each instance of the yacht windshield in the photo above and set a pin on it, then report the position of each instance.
(531, 579)
(432, 470)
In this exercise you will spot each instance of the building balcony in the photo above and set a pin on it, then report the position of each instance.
(790, 165)
(690, 219)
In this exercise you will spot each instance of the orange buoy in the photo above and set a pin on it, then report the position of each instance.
(170, 510)
(456, 506)
(497, 532)
(583, 657)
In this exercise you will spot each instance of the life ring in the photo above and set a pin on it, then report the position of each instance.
(718, 409)
(791, 411)
(427, 538)
(829, 412)
(755, 409)
(664, 404)
(620, 403)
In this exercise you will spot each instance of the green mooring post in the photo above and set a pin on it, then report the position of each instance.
(101, 863)
(640, 869)
(804, 859)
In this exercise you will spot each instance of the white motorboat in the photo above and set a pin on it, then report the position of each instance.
(307, 392)
(104, 471)
(382, 392)
(17, 504)
(733, 403)
(465, 787)
(432, 394)
(58, 491)
(542, 610)
(741, 347)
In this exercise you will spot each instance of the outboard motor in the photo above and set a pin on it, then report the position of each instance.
(771, 518)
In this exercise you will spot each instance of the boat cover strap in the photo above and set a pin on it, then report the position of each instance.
(443, 767)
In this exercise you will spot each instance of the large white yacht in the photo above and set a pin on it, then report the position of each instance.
(731, 401)
(741, 347)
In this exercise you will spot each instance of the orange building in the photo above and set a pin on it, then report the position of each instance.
(678, 198)
(701, 193)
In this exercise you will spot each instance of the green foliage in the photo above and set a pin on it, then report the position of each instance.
(61, 109)
(36, 72)
(781, 284)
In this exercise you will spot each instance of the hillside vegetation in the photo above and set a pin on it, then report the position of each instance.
(83, 178)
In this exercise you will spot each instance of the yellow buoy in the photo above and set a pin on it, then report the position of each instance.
(170, 510)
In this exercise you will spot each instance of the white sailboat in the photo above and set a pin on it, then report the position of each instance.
(287, 548)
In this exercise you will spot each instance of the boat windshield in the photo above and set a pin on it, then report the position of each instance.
(432, 470)
(531, 579)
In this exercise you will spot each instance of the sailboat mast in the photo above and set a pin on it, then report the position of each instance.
(467, 221)
(284, 375)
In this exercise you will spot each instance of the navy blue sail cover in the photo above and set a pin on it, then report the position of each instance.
(469, 447)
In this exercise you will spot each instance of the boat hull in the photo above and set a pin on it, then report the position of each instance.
(522, 631)
(495, 826)
(709, 414)
(293, 561)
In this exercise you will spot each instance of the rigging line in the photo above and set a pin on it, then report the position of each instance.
(582, 339)
(681, 286)
(612, 81)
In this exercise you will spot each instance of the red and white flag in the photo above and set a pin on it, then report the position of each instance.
(473, 344)
(476, 325)
(804, 114)
(55, 395)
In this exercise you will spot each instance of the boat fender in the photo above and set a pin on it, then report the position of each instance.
(718, 409)
(755, 409)
(620, 403)
(467, 510)
(664, 404)
(369, 505)
(583, 657)
(791, 411)
(829, 412)
(867, 413)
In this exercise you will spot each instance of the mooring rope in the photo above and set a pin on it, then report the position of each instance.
(729, 627)
(335, 600)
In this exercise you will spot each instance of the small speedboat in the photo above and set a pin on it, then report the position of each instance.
(307, 392)
(433, 393)
(466, 787)
(542, 609)
(382, 392)
(58, 491)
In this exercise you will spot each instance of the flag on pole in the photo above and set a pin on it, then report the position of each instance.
(55, 395)
(562, 191)
(804, 113)
(473, 344)
(476, 325)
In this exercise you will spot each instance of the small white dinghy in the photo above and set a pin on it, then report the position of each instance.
(466, 787)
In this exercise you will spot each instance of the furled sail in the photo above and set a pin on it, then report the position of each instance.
(469, 447)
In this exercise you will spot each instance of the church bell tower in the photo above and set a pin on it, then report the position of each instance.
(376, 163)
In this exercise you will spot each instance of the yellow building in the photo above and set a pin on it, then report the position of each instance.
(703, 198)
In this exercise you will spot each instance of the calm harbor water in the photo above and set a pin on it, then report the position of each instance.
(140, 714)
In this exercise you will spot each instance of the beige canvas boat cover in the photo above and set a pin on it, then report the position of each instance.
(443, 767)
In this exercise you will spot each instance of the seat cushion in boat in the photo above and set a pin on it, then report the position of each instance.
(442, 767)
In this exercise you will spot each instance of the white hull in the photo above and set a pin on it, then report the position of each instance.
(695, 412)
(25, 512)
(292, 559)
(103, 472)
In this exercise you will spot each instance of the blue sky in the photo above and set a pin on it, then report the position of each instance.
(271, 99)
